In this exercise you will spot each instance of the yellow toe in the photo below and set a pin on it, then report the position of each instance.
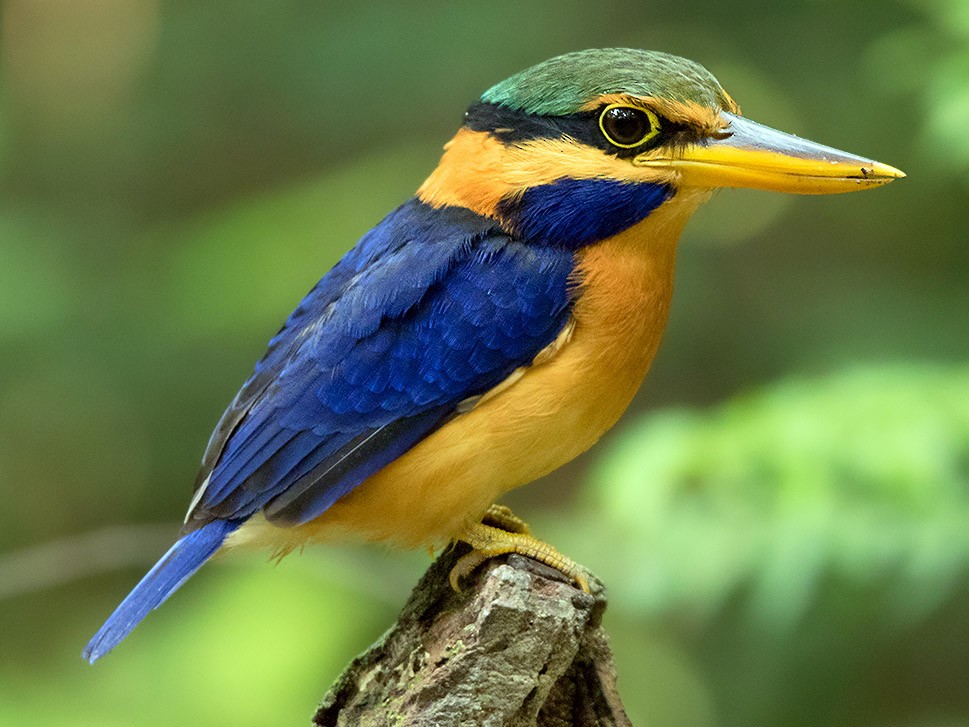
(488, 541)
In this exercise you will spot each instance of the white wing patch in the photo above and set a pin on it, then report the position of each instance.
(197, 497)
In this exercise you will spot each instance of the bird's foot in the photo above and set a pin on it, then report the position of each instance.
(488, 541)
(501, 517)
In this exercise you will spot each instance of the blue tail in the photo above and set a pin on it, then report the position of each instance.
(181, 561)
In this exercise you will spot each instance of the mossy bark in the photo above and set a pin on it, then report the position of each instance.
(517, 647)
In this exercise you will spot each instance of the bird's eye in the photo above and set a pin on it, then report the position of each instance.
(626, 126)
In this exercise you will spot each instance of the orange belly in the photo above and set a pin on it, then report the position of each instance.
(556, 410)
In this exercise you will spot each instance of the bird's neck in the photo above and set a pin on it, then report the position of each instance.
(624, 268)
(626, 281)
(625, 288)
(477, 172)
(547, 191)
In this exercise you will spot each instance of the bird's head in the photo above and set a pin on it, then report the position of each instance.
(584, 145)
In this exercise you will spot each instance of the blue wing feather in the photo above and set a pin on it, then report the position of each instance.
(432, 306)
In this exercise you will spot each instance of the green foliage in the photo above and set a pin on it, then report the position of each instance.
(215, 640)
(861, 479)
(936, 71)
(829, 512)
(36, 288)
(279, 243)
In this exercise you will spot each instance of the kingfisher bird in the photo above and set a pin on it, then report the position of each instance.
(491, 328)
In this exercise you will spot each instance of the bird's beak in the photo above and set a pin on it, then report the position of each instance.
(757, 156)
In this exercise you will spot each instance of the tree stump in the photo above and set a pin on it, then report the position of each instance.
(518, 646)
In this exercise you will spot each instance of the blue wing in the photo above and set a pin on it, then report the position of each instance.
(433, 306)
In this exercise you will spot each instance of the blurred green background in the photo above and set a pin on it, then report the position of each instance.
(783, 516)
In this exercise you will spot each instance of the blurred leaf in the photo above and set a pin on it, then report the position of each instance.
(929, 60)
(863, 478)
(248, 646)
(36, 289)
(803, 551)
(4, 134)
(247, 266)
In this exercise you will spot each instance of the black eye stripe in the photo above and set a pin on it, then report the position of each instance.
(511, 125)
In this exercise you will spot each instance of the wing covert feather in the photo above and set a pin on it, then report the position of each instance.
(431, 307)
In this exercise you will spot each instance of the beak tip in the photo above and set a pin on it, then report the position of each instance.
(883, 171)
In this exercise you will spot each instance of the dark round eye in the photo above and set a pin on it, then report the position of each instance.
(626, 126)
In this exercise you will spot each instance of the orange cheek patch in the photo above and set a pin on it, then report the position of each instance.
(477, 171)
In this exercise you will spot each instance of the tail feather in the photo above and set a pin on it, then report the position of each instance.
(176, 566)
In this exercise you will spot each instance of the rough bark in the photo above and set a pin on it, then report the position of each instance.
(518, 646)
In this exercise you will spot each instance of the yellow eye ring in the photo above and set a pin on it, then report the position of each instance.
(641, 125)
